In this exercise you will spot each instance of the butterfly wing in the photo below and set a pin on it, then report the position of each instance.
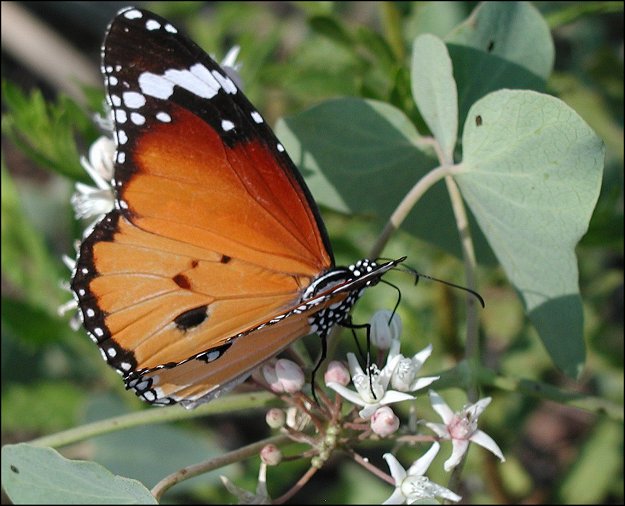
(214, 231)
(192, 382)
(216, 371)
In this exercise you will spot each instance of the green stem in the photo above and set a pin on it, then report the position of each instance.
(472, 350)
(185, 473)
(406, 205)
(227, 404)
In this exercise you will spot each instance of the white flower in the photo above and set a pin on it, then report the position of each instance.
(404, 376)
(385, 328)
(245, 497)
(89, 201)
(371, 389)
(411, 486)
(461, 427)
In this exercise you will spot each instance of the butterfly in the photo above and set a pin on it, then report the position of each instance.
(215, 257)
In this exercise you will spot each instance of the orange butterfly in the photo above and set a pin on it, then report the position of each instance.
(215, 257)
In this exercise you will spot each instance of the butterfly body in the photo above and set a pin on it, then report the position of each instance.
(215, 257)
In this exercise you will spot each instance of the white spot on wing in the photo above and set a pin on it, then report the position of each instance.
(227, 125)
(133, 14)
(213, 355)
(225, 82)
(137, 118)
(152, 24)
(197, 80)
(163, 116)
(120, 116)
(257, 117)
(133, 100)
(170, 28)
(280, 147)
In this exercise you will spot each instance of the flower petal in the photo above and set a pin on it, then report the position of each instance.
(391, 396)
(439, 491)
(367, 411)
(348, 394)
(423, 355)
(476, 409)
(397, 471)
(420, 466)
(420, 383)
(441, 407)
(439, 428)
(459, 449)
(354, 366)
(484, 440)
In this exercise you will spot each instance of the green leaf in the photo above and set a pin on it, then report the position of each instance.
(501, 45)
(343, 146)
(25, 259)
(32, 475)
(331, 28)
(45, 131)
(434, 90)
(514, 31)
(531, 174)
(376, 45)
(362, 157)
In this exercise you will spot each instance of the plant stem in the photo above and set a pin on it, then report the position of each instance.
(223, 405)
(472, 351)
(215, 463)
(406, 205)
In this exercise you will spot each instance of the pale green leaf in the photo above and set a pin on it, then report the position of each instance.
(33, 475)
(362, 157)
(531, 174)
(434, 90)
(501, 45)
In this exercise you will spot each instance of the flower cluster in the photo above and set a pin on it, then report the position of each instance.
(373, 391)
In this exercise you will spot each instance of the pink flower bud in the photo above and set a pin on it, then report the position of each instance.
(336, 373)
(384, 422)
(284, 376)
(275, 418)
(271, 455)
